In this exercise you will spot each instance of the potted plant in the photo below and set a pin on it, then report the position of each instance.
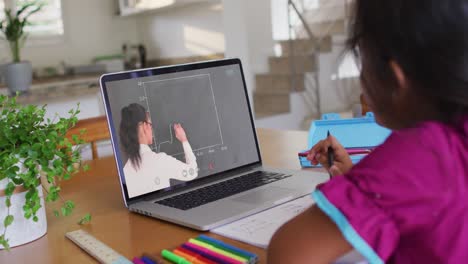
(18, 74)
(32, 146)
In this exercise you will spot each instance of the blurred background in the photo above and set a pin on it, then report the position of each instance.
(292, 51)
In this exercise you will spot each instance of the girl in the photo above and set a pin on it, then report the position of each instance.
(407, 201)
(145, 170)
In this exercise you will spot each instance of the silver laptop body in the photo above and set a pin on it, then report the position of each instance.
(210, 100)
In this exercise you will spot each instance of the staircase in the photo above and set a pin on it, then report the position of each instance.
(273, 89)
(292, 73)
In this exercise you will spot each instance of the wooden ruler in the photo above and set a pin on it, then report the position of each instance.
(97, 249)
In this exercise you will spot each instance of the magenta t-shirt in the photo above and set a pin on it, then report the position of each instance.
(407, 202)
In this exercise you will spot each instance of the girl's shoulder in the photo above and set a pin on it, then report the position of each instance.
(431, 137)
(401, 190)
(435, 129)
(415, 160)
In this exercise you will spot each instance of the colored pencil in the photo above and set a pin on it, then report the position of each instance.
(191, 258)
(136, 260)
(240, 252)
(217, 250)
(191, 253)
(206, 253)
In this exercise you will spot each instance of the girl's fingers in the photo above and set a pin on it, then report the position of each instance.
(321, 146)
(318, 154)
(323, 159)
(334, 143)
(335, 170)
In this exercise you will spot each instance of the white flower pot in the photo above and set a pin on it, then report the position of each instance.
(22, 230)
(18, 76)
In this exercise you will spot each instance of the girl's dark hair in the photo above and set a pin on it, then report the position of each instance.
(428, 39)
(132, 116)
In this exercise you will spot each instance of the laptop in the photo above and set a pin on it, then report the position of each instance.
(216, 176)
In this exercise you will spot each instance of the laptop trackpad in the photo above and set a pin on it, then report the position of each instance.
(265, 195)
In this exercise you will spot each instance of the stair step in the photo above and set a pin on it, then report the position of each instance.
(326, 14)
(306, 46)
(334, 3)
(327, 3)
(323, 29)
(328, 28)
(302, 64)
(278, 83)
(271, 104)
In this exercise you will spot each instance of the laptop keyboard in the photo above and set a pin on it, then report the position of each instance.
(222, 190)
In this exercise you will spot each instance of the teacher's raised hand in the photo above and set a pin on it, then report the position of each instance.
(180, 133)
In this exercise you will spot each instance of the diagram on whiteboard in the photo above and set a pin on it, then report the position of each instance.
(189, 101)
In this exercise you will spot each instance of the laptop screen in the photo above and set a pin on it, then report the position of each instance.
(175, 125)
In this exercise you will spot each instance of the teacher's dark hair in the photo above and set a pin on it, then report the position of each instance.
(132, 116)
(428, 39)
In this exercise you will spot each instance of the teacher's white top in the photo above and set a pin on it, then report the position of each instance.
(157, 168)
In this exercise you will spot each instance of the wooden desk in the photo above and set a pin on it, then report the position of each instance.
(98, 192)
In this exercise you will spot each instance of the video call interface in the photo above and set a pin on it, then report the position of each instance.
(209, 105)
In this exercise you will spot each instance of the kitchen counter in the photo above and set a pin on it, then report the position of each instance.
(57, 88)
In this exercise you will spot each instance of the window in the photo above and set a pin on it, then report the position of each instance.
(45, 23)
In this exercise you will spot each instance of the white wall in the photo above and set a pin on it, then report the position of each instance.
(91, 28)
(339, 82)
(192, 30)
(248, 33)
(296, 119)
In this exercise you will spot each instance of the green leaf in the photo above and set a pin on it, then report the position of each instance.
(57, 163)
(8, 202)
(27, 214)
(10, 188)
(86, 167)
(85, 219)
(56, 213)
(53, 134)
(69, 205)
(37, 146)
(8, 220)
(12, 172)
(65, 211)
(37, 205)
(67, 176)
(4, 242)
(18, 181)
(33, 155)
(67, 208)
(30, 194)
(35, 218)
(53, 194)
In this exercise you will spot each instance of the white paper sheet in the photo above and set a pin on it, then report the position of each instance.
(258, 229)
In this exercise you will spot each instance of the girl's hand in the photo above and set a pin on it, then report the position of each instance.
(319, 154)
(180, 133)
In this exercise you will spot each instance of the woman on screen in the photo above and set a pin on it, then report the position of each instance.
(145, 170)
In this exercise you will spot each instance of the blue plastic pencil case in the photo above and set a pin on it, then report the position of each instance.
(361, 132)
